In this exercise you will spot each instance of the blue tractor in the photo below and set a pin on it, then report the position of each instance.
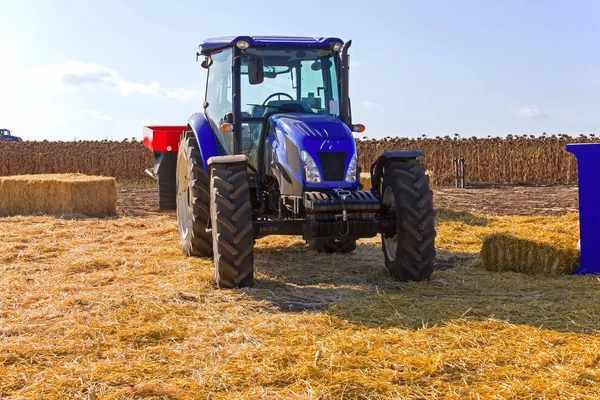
(6, 135)
(273, 153)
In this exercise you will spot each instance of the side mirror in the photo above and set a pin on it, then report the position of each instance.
(256, 73)
(207, 62)
(319, 65)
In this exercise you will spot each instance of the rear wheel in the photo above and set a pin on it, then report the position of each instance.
(193, 211)
(232, 235)
(410, 253)
(341, 245)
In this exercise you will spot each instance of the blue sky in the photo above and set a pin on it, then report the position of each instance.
(102, 69)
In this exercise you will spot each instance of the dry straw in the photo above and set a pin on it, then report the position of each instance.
(111, 309)
(60, 194)
(549, 255)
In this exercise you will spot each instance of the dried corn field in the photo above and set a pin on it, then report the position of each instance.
(123, 160)
(511, 160)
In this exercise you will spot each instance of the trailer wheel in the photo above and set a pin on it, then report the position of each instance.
(167, 182)
(193, 211)
(410, 253)
(167, 194)
(232, 235)
(341, 245)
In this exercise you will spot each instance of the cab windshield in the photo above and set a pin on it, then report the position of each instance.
(295, 80)
(306, 78)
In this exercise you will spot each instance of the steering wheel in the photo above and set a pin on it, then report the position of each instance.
(278, 94)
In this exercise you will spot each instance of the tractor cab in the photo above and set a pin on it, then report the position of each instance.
(267, 98)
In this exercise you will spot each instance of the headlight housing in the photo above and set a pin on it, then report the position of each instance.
(352, 169)
(311, 170)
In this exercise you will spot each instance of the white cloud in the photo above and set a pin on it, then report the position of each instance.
(371, 105)
(184, 94)
(127, 88)
(96, 115)
(73, 76)
(150, 122)
(527, 112)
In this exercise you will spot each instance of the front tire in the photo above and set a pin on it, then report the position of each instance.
(193, 210)
(232, 232)
(409, 255)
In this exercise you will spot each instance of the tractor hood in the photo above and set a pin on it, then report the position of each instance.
(326, 139)
(316, 127)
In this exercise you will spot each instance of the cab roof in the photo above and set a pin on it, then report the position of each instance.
(214, 44)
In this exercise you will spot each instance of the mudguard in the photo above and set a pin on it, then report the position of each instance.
(205, 136)
(379, 164)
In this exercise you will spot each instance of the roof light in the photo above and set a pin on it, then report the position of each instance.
(242, 44)
(337, 46)
(358, 128)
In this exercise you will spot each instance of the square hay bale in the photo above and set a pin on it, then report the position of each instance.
(58, 194)
(365, 180)
(542, 253)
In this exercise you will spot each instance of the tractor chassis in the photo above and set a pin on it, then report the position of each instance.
(330, 225)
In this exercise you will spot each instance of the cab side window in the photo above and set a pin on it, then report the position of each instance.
(219, 97)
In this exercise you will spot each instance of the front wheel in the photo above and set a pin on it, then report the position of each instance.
(409, 254)
(232, 234)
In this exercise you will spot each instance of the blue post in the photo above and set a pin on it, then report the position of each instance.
(588, 161)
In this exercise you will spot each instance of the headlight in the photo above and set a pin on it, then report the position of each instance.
(311, 170)
(351, 173)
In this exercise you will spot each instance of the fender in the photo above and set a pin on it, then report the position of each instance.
(205, 136)
(377, 166)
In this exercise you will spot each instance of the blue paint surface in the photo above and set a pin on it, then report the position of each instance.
(205, 137)
(313, 134)
(588, 161)
(214, 44)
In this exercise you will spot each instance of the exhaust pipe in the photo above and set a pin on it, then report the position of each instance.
(345, 82)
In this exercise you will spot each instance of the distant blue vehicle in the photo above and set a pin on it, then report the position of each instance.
(272, 153)
(6, 135)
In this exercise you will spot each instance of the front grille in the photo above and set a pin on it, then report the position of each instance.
(333, 165)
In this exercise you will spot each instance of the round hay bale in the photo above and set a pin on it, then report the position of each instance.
(58, 194)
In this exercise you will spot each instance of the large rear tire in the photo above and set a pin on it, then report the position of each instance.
(341, 245)
(409, 255)
(193, 210)
(232, 235)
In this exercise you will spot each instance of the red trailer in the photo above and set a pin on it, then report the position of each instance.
(164, 143)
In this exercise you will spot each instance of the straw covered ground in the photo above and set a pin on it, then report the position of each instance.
(111, 309)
